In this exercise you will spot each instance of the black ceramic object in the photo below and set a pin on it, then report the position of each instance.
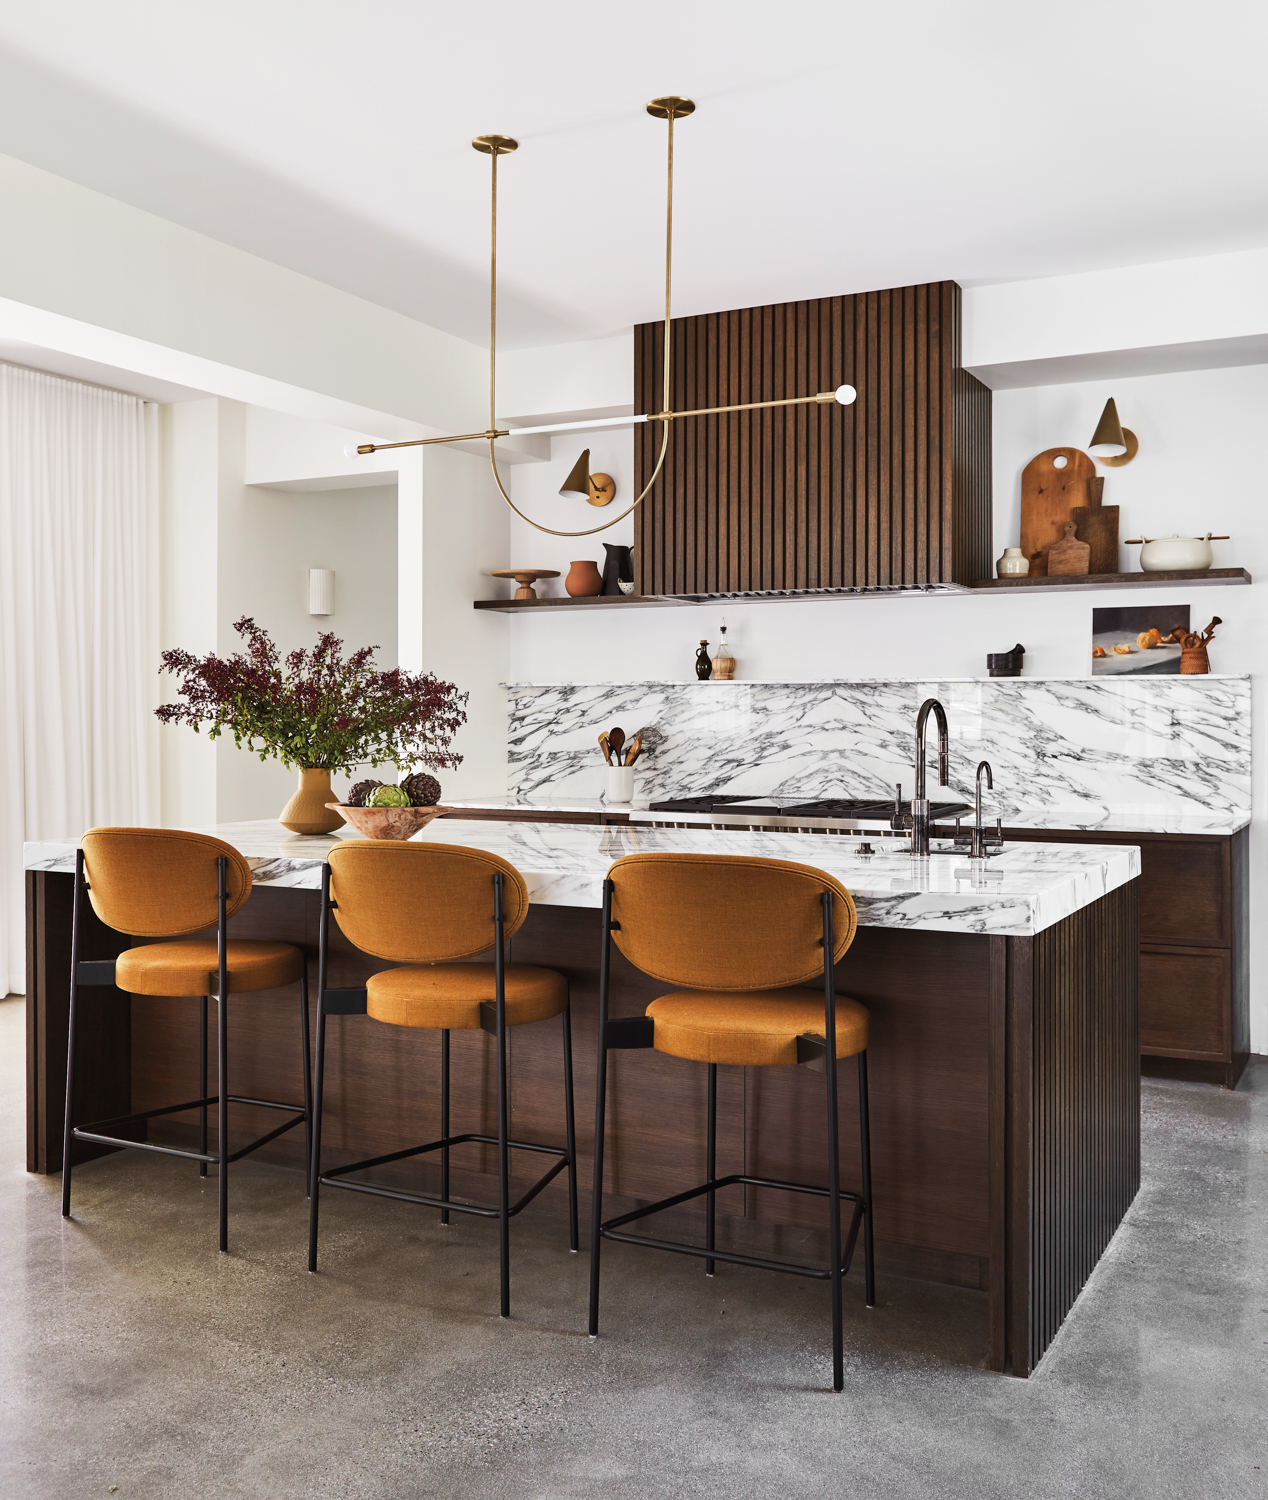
(704, 665)
(1006, 663)
(617, 566)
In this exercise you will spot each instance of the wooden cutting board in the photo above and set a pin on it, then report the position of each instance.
(1048, 494)
(1098, 527)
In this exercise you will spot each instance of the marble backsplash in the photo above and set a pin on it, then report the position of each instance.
(1179, 745)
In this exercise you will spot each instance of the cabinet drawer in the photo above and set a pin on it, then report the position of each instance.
(1185, 995)
(1185, 886)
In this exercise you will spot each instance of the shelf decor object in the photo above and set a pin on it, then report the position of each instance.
(669, 108)
(1069, 555)
(584, 581)
(1175, 553)
(526, 578)
(1112, 443)
(1053, 483)
(1013, 564)
(316, 711)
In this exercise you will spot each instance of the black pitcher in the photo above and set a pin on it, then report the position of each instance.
(618, 567)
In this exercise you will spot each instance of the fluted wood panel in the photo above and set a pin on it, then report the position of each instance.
(1083, 1082)
(894, 490)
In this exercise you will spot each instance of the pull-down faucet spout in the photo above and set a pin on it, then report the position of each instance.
(920, 802)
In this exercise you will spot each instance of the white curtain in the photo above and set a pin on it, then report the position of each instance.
(78, 621)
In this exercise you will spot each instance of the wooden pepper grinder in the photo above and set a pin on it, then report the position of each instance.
(704, 667)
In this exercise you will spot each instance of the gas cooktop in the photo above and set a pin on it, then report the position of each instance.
(793, 807)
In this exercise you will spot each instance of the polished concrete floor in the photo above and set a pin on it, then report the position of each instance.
(137, 1361)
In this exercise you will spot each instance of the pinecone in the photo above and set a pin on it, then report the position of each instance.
(358, 793)
(421, 789)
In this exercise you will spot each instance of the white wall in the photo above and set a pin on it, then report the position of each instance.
(232, 549)
(1198, 469)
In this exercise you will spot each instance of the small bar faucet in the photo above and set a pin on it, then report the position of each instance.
(978, 848)
(920, 802)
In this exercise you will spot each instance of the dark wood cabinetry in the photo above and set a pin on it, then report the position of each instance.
(1194, 988)
(893, 491)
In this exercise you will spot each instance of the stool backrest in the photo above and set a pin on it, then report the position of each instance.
(726, 922)
(160, 882)
(422, 903)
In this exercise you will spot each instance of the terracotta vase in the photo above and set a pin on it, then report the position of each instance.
(584, 580)
(307, 812)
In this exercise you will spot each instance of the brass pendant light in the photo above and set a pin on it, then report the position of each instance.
(669, 108)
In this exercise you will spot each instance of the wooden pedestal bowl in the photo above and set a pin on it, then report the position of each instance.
(388, 822)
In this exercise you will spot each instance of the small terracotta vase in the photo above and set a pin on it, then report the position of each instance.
(584, 580)
(307, 812)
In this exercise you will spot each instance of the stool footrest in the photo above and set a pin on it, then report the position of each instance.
(450, 1140)
(793, 1268)
(96, 1130)
(481, 1210)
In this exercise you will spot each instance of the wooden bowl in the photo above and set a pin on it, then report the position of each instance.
(388, 822)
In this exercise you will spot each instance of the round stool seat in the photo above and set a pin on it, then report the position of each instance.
(751, 1028)
(448, 996)
(190, 967)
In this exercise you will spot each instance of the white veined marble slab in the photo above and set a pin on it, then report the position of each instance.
(1016, 894)
(1074, 753)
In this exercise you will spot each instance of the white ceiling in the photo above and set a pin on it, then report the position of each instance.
(837, 145)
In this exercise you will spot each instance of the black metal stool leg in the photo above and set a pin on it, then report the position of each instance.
(444, 1120)
(570, 1126)
(67, 1138)
(202, 1081)
(834, 1229)
(600, 1108)
(596, 1218)
(308, 1070)
(222, 1113)
(314, 1179)
(222, 1044)
(504, 1159)
(865, 1140)
(711, 1164)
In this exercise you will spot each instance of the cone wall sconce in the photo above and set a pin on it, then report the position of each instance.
(598, 489)
(1112, 443)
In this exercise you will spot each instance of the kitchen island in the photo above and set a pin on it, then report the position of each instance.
(1004, 1083)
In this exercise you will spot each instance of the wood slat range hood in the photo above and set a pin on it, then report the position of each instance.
(891, 493)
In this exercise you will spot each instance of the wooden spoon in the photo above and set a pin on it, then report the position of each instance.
(603, 745)
(636, 746)
(616, 738)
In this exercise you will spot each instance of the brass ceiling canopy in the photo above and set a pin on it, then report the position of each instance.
(669, 107)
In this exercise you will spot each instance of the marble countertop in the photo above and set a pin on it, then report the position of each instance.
(1017, 893)
(1216, 823)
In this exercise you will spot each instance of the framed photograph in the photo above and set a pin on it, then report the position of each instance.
(1136, 641)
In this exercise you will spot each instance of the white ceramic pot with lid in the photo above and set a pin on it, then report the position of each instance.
(1176, 554)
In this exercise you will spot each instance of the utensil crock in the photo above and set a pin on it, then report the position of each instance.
(620, 784)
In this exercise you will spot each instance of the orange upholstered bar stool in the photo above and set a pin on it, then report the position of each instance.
(427, 907)
(744, 941)
(161, 883)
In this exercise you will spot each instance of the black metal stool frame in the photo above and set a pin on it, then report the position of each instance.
(492, 1020)
(93, 972)
(818, 1053)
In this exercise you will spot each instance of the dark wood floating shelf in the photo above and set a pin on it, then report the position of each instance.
(600, 601)
(1076, 582)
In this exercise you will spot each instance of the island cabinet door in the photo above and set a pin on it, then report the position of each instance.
(1193, 957)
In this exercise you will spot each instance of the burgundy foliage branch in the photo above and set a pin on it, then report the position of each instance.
(316, 708)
